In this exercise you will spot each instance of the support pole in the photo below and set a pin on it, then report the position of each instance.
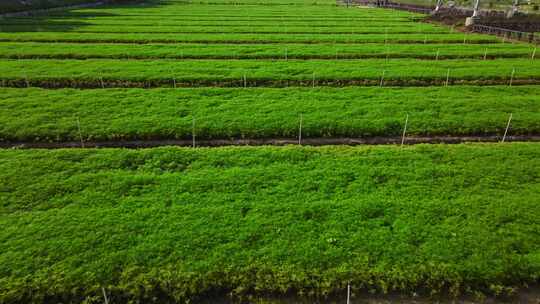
(512, 76)
(404, 131)
(300, 130)
(105, 295)
(193, 132)
(80, 133)
(507, 127)
(438, 6)
(475, 8)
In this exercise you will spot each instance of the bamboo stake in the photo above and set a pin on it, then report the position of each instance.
(437, 56)
(300, 131)
(245, 80)
(26, 81)
(512, 76)
(447, 78)
(105, 295)
(80, 133)
(313, 80)
(404, 130)
(382, 78)
(507, 127)
(348, 293)
(174, 82)
(101, 82)
(193, 132)
(485, 54)
(533, 53)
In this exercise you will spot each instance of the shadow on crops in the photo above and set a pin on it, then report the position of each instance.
(70, 20)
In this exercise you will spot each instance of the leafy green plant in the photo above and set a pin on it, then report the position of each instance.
(179, 224)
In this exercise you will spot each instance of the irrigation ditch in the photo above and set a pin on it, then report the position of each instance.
(434, 56)
(241, 41)
(248, 82)
(320, 141)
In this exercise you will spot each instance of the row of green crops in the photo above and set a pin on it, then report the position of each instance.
(62, 73)
(229, 9)
(129, 114)
(183, 29)
(210, 22)
(170, 224)
(30, 50)
(245, 38)
(7, 6)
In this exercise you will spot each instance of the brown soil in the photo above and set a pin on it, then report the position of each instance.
(268, 142)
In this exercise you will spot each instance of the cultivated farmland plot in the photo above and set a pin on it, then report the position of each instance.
(244, 224)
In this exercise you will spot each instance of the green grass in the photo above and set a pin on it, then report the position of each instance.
(174, 224)
(244, 38)
(161, 224)
(31, 50)
(205, 29)
(121, 114)
(267, 73)
(7, 6)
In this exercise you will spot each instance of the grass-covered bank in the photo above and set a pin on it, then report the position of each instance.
(167, 224)
(158, 114)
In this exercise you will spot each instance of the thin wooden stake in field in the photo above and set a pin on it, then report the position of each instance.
(382, 78)
(437, 56)
(193, 132)
(300, 130)
(105, 295)
(348, 293)
(485, 54)
(80, 133)
(447, 77)
(101, 82)
(26, 81)
(533, 53)
(404, 130)
(174, 82)
(313, 80)
(245, 80)
(507, 127)
(512, 76)
(425, 39)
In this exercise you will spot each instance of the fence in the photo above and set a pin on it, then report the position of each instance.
(506, 33)
(393, 5)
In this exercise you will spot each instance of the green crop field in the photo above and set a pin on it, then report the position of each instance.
(183, 223)
(138, 114)
(264, 224)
